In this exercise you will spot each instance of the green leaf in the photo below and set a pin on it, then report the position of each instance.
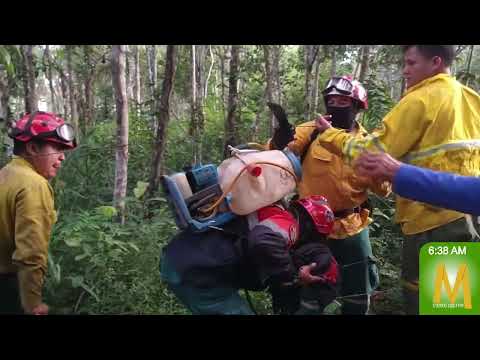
(80, 257)
(76, 281)
(107, 211)
(139, 191)
(73, 242)
(3, 55)
(133, 246)
(54, 269)
(89, 290)
(378, 212)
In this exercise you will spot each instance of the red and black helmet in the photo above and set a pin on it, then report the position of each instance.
(346, 86)
(43, 126)
(319, 210)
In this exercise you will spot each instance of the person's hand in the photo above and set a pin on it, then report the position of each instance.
(40, 309)
(306, 277)
(380, 166)
(323, 123)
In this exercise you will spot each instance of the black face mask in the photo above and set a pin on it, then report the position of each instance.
(342, 117)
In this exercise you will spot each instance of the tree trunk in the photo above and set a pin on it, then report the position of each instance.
(230, 132)
(216, 83)
(163, 119)
(270, 77)
(4, 96)
(315, 87)
(212, 62)
(256, 122)
(5, 115)
(136, 85)
(364, 64)
(469, 65)
(358, 62)
(121, 154)
(88, 88)
(311, 53)
(130, 66)
(71, 89)
(31, 101)
(222, 81)
(333, 69)
(65, 94)
(277, 89)
(89, 104)
(80, 103)
(152, 81)
(201, 52)
(402, 87)
(48, 66)
(197, 122)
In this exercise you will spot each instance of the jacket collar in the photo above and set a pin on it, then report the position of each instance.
(18, 160)
(427, 81)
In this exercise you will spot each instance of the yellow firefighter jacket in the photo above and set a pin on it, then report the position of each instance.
(435, 125)
(324, 173)
(27, 215)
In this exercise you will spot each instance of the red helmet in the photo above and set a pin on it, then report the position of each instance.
(43, 126)
(346, 86)
(319, 210)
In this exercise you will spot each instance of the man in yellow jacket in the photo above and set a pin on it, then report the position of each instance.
(435, 125)
(325, 173)
(27, 211)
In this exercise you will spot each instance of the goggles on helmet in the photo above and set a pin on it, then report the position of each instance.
(341, 84)
(64, 132)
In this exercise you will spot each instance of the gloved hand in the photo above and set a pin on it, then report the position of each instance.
(285, 131)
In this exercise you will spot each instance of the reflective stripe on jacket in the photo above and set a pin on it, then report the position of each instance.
(435, 125)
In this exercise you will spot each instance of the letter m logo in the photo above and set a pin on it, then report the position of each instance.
(461, 278)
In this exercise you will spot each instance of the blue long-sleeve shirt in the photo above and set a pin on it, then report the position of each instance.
(446, 190)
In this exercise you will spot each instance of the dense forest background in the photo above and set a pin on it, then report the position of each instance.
(144, 110)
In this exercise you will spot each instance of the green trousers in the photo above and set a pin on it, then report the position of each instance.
(358, 269)
(455, 231)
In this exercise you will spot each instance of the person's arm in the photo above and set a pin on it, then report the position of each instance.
(33, 223)
(269, 253)
(440, 189)
(446, 190)
(401, 129)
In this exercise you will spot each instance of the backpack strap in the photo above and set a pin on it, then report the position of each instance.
(313, 136)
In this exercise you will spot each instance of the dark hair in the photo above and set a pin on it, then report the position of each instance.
(19, 147)
(446, 52)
